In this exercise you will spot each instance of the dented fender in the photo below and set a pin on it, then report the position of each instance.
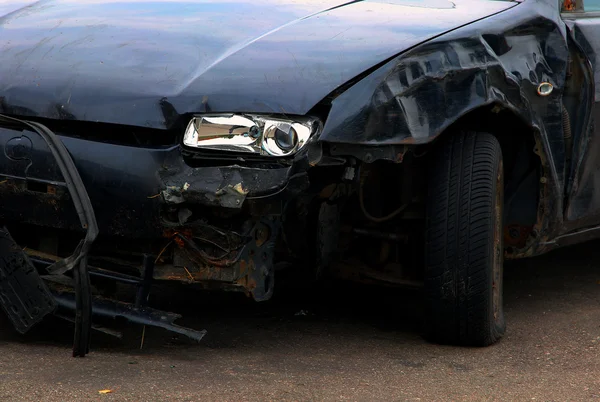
(413, 98)
(497, 63)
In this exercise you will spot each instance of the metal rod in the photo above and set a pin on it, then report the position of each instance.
(117, 276)
(98, 272)
(83, 309)
(142, 315)
(146, 282)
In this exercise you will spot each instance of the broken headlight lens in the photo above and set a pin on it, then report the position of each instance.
(262, 135)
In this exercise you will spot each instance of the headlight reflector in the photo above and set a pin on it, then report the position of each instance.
(250, 133)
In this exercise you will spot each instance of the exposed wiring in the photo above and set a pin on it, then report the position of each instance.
(189, 274)
(163, 251)
(422, 154)
(214, 244)
(361, 200)
(203, 255)
(258, 197)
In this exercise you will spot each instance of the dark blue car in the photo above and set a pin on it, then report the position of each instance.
(400, 142)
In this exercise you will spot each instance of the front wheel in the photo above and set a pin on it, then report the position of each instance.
(464, 248)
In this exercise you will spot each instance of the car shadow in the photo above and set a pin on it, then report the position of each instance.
(336, 312)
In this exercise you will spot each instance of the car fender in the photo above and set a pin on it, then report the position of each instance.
(500, 60)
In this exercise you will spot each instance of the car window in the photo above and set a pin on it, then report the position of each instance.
(591, 5)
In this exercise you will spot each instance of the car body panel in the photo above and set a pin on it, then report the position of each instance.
(127, 185)
(146, 63)
(583, 203)
(500, 59)
(497, 61)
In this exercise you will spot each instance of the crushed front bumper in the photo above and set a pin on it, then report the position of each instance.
(213, 224)
(131, 187)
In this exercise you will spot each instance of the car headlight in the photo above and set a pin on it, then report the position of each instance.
(262, 135)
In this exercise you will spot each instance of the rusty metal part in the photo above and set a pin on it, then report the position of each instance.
(516, 235)
(536, 243)
(249, 269)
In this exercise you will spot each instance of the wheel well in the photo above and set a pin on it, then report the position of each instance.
(386, 242)
(522, 168)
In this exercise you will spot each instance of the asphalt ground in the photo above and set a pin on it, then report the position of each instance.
(350, 343)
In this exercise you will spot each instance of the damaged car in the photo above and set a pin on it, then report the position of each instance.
(398, 142)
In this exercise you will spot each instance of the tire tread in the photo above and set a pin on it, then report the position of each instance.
(459, 240)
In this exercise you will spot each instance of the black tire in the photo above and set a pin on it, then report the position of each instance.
(464, 247)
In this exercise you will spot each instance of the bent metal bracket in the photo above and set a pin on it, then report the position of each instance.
(25, 297)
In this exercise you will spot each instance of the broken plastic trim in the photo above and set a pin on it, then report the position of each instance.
(76, 188)
(85, 211)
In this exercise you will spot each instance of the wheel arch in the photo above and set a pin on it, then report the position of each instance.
(526, 173)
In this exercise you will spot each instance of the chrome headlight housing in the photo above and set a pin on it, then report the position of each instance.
(262, 135)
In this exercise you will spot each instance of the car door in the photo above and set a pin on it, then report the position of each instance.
(582, 208)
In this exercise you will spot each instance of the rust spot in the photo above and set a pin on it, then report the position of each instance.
(173, 234)
(251, 284)
(179, 242)
(244, 279)
(516, 235)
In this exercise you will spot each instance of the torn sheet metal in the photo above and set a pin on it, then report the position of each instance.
(499, 61)
(226, 186)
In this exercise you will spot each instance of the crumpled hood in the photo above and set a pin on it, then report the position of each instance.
(147, 62)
